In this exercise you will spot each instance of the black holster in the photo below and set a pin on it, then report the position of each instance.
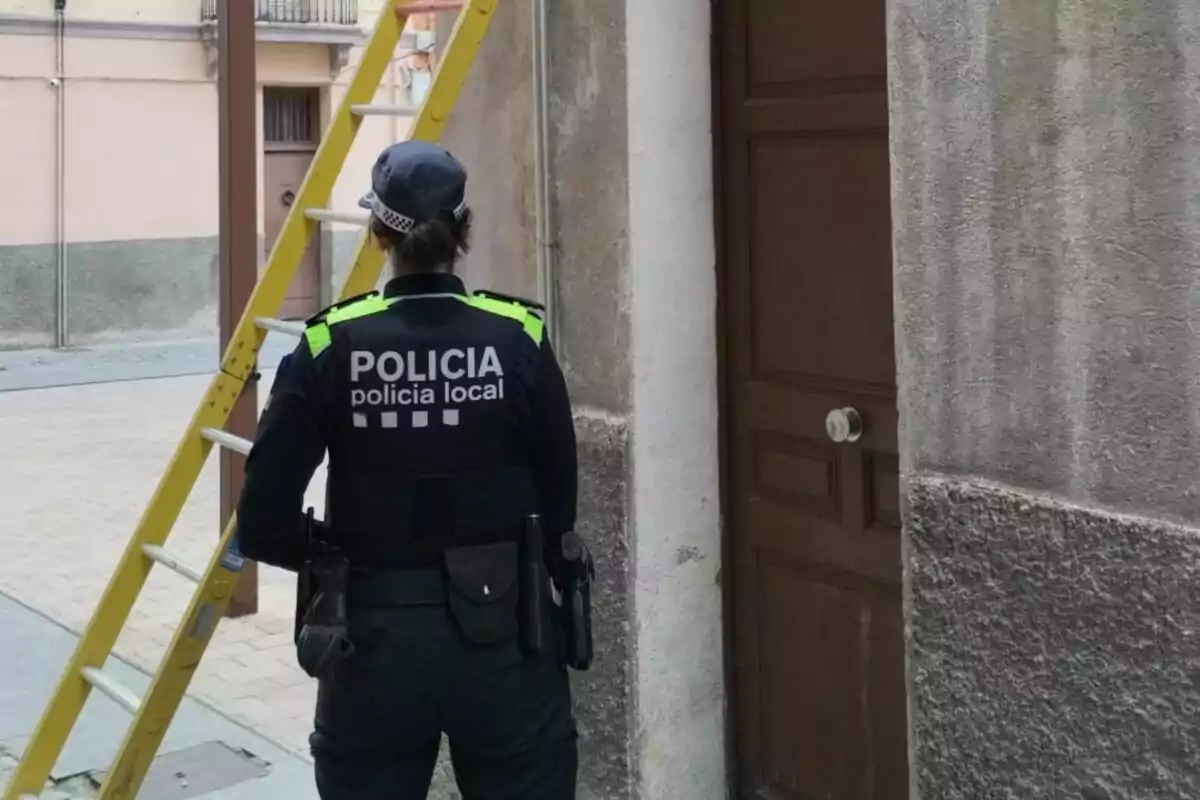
(322, 638)
(578, 571)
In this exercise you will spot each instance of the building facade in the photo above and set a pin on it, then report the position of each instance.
(110, 156)
(881, 320)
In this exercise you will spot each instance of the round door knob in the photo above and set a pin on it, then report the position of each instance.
(844, 424)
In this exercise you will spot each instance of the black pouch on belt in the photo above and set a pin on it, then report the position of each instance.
(481, 591)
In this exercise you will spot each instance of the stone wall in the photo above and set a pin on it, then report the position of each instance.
(151, 288)
(1047, 234)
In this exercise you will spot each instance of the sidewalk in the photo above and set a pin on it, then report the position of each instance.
(88, 434)
(87, 459)
(204, 755)
(39, 369)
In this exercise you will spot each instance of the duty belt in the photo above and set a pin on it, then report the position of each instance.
(395, 588)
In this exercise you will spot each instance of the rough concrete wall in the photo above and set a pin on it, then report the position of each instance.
(590, 211)
(116, 291)
(1046, 242)
(603, 695)
(1048, 238)
(492, 132)
(1054, 648)
(591, 204)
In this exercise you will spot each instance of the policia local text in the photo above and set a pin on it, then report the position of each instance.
(450, 366)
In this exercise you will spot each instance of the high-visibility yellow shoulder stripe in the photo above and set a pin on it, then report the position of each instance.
(533, 324)
(371, 304)
(318, 334)
(535, 327)
(503, 309)
(318, 338)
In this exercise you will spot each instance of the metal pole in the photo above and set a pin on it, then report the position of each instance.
(547, 273)
(238, 100)
(60, 175)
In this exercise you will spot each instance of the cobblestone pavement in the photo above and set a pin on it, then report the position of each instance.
(81, 464)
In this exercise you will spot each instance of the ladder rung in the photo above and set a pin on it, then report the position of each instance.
(425, 6)
(348, 217)
(160, 556)
(384, 110)
(227, 440)
(281, 326)
(115, 691)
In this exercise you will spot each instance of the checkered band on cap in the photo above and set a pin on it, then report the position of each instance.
(400, 223)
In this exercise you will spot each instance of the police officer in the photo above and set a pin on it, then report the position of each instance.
(447, 424)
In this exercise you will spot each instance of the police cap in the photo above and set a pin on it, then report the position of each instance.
(414, 181)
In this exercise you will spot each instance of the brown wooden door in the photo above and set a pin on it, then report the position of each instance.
(818, 646)
(283, 172)
(291, 130)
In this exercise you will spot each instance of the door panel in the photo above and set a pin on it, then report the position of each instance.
(818, 639)
(812, 41)
(283, 173)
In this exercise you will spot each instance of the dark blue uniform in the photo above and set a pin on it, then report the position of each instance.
(447, 422)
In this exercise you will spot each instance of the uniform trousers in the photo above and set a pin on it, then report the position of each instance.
(413, 677)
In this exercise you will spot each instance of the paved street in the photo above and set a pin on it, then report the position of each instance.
(87, 435)
(204, 755)
(34, 369)
(83, 461)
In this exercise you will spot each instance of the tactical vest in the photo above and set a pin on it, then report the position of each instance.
(429, 424)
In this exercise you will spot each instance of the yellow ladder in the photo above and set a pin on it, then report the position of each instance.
(153, 712)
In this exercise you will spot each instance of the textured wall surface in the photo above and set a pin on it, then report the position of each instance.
(588, 142)
(1047, 243)
(491, 132)
(1048, 238)
(603, 694)
(153, 288)
(1054, 648)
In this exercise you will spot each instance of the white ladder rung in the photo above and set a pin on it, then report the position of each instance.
(160, 556)
(115, 691)
(347, 217)
(227, 440)
(429, 6)
(281, 326)
(383, 110)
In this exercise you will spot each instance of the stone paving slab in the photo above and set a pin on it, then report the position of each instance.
(27, 682)
(82, 462)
